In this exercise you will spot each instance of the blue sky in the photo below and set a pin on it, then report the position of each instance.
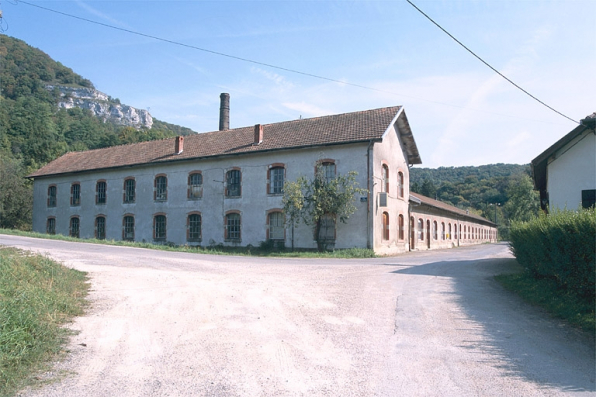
(460, 111)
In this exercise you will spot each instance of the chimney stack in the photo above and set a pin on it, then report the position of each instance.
(179, 145)
(224, 112)
(258, 134)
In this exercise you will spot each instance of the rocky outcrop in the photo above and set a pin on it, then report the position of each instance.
(103, 106)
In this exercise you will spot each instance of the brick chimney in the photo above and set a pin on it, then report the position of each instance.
(258, 134)
(179, 145)
(224, 112)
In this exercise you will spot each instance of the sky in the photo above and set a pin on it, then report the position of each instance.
(367, 54)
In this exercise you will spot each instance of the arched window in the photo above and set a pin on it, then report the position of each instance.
(193, 227)
(327, 231)
(233, 183)
(160, 191)
(52, 190)
(74, 227)
(101, 188)
(327, 167)
(385, 177)
(449, 235)
(232, 230)
(400, 220)
(275, 179)
(435, 237)
(100, 227)
(75, 194)
(400, 184)
(275, 221)
(128, 228)
(442, 230)
(385, 226)
(159, 227)
(195, 185)
(420, 229)
(51, 225)
(129, 191)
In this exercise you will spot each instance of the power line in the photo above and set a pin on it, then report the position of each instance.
(487, 64)
(288, 69)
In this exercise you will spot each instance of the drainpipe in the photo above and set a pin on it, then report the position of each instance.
(368, 200)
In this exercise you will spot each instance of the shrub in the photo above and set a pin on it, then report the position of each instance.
(559, 246)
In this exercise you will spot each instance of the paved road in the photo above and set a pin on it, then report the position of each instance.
(420, 324)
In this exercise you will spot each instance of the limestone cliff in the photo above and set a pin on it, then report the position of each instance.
(102, 106)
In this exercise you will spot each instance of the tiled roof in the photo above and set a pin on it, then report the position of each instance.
(336, 129)
(446, 207)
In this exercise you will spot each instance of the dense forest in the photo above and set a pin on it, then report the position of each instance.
(34, 130)
(498, 192)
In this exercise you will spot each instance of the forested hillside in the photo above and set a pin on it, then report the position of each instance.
(34, 130)
(499, 192)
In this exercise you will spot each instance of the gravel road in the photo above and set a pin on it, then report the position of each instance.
(421, 324)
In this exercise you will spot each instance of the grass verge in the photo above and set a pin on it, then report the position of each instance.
(576, 310)
(210, 249)
(37, 297)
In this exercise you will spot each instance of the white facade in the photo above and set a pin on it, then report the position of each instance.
(571, 170)
(67, 191)
(253, 204)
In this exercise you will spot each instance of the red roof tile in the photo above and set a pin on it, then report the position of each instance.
(446, 207)
(336, 129)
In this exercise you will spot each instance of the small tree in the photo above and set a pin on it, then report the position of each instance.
(293, 201)
(313, 200)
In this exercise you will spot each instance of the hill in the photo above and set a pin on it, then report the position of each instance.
(46, 110)
(499, 192)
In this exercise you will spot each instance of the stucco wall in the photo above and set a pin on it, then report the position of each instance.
(572, 170)
(390, 152)
(463, 231)
(253, 204)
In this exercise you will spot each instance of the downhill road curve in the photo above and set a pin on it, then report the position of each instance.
(421, 324)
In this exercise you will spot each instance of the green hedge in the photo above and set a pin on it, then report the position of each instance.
(560, 246)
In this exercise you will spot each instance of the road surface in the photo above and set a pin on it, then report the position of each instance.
(431, 323)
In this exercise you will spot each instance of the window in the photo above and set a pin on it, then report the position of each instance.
(233, 178)
(129, 190)
(327, 231)
(588, 198)
(160, 192)
(276, 226)
(159, 227)
(100, 227)
(75, 194)
(51, 226)
(195, 186)
(327, 168)
(193, 224)
(74, 227)
(420, 229)
(276, 180)
(400, 184)
(449, 235)
(100, 192)
(435, 230)
(52, 190)
(385, 177)
(385, 226)
(232, 231)
(442, 230)
(128, 228)
(401, 227)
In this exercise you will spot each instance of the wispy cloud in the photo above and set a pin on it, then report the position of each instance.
(101, 15)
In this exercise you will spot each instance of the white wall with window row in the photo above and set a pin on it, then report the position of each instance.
(233, 200)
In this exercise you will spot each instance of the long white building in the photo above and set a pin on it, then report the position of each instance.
(226, 187)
